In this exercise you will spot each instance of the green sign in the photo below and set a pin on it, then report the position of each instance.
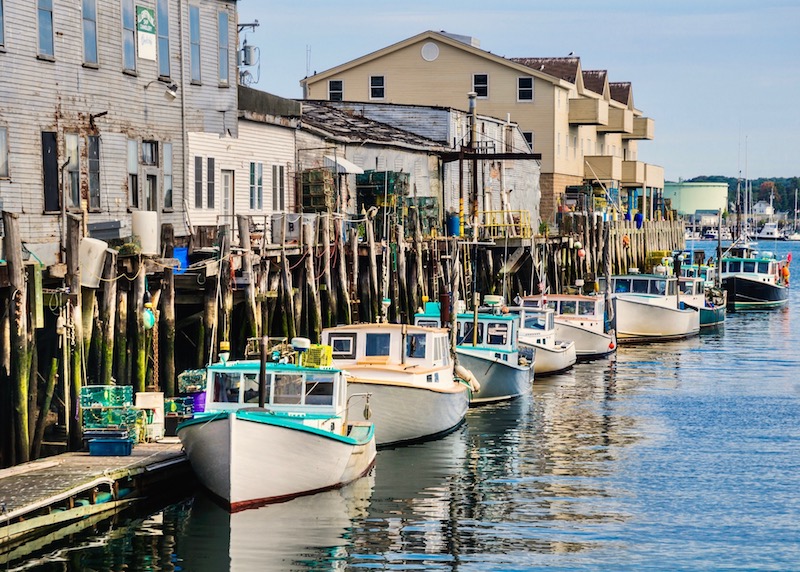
(145, 20)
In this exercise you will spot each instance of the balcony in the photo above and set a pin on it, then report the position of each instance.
(588, 111)
(619, 121)
(602, 168)
(633, 174)
(643, 128)
(654, 176)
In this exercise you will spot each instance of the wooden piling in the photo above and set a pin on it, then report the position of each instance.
(250, 327)
(329, 302)
(140, 347)
(312, 304)
(166, 359)
(341, 259)
(108, 318)
(74, 229)
(372, 262)
(20, 342)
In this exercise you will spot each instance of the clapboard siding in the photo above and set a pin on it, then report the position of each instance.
(263, 143)
(63, 95)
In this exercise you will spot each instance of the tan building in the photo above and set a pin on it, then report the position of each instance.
(585, 128)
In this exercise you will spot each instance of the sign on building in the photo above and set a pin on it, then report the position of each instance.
(146, 32)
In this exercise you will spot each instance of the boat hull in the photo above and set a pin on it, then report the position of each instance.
(589, 344)
(551, 359)
(405, 414)
(499, 380)
(747, 294)
(640, 321)
(253, 458)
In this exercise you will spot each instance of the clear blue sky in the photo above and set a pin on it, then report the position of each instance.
(720, 78)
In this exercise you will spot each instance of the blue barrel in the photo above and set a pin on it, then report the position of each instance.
(453, 224)
(182, 254)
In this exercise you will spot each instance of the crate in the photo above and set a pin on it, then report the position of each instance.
(106, 395)
(110, 447)
(318, 355)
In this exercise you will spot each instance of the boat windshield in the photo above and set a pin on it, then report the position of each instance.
(568, 307)
(319, 389)
(378, 344)
(497, 334)
(466, 334)
(586, 308)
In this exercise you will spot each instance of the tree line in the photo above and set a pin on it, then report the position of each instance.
(781, 188)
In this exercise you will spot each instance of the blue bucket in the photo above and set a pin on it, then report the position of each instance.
(453, 224)
(182, 254)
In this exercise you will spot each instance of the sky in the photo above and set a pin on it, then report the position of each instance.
(720, 78)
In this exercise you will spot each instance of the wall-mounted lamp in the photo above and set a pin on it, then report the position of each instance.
(170, 89)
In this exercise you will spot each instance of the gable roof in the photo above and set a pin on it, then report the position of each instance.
(622, 91)
(596, 81)
(347, 127)
(453, 41)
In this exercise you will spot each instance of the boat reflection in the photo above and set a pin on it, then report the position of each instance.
(306, 533)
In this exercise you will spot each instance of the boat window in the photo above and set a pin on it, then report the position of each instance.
(536, 322)
(415, 346)
(444, 351)
(466, 336)
(552, 304)
(319, 389)
(497, 334)
(735, 266)
(640, 286)
(568, 306)
(749, 266)
(226, 387)
(586, 308)
(530, 303)
(378, 344)
(763, 267)
(687, 288)
(658, 287)
(622, 285)
(251, 387)
(344, 345)
(288, 388)
(428, 323)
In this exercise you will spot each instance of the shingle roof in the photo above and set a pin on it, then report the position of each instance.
(621, 91)
(357, 128)
(562, 68)
(595, 80)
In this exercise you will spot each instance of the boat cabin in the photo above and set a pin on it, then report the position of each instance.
(486, 331)
(766, 267)
(571, 306)
(388, 344)
(643, 284)
(289, 387)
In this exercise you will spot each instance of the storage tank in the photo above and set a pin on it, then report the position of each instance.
(92, 256)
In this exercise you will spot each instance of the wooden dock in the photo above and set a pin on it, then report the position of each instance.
(54, 492)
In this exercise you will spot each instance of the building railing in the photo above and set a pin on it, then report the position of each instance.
(506, 224)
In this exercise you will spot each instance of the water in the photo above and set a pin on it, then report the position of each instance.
(677, 456)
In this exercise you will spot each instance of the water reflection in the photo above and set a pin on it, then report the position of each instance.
(308, 533)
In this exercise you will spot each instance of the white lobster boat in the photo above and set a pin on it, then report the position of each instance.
(579, 318)
(648, 309)
(487, 348)
(409, 374)
(538, 332)
(301, 442)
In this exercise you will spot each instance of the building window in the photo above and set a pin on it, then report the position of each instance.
(558, 145)
(524, 89)
(211, 175)
(256, 186)
(3, 152)
(52, 202)
(198, 182)
(377, 87)
(150, 153)
(194, 40)
(168, 176)
(480, 84)
(128, 36)
(336, 90)
(2, 36)
(574, 146)
(278, 188)
(151, 192)
(73, 169)
(94, 171)
(222, 39)
(133, 173)
(528, 135)
(162, 23)
(89, 32)
(46, 28)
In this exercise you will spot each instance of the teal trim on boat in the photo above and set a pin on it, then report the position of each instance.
(485, 348)
(359, 435)
(254, 365)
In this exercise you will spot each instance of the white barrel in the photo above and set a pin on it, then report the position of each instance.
(145, 226)
(92, 259)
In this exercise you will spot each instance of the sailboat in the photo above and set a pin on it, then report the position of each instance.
(794, 235)
(770, 229)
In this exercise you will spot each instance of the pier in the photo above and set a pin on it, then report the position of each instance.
(60, 495)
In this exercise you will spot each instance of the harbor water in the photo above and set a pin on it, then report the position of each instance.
(676, 456)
